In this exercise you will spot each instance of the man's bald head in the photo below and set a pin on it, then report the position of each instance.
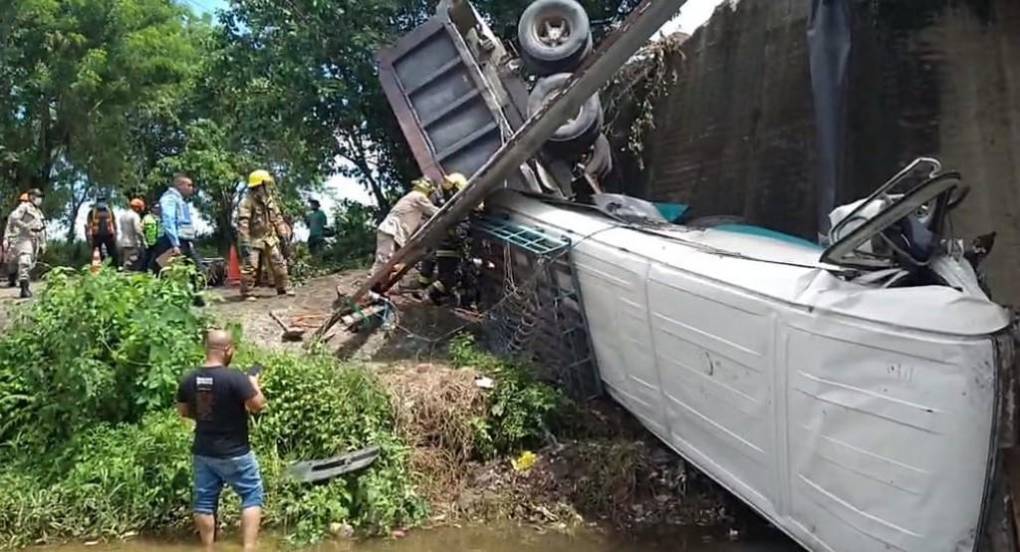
(219, 347)
(184, 185)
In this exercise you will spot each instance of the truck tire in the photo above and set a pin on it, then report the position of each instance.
(576, 135)
(600, 163)
(554, 35)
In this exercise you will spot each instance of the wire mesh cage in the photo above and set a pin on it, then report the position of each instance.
(532, 300)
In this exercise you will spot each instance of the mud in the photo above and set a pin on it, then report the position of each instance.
(488, 538)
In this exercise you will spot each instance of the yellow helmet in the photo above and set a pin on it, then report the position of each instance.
(258, 178)
(423, 185)
(454, 181)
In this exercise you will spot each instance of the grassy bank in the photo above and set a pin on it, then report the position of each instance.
(90, 446)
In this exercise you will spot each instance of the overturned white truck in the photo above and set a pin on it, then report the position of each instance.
(859, 396)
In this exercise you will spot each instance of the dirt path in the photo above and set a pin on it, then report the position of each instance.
(416, 337)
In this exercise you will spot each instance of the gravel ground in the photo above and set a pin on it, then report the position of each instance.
(415, 338)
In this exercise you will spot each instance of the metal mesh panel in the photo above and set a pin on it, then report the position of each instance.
(533, 305)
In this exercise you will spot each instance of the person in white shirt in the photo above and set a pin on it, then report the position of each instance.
(132, 238)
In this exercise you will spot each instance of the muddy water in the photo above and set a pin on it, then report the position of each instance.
(474, 539)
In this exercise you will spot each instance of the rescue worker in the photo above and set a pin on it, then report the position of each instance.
(152, 229)
(131, 240)
(447, 257)
(26, 234)
(403, 221)
(101, 230)
(10, 258)
(261, 232)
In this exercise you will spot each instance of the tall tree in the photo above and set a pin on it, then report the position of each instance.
(303, 75)
(82, 84)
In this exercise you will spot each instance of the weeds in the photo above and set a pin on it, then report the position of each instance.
(104, 348)
(91, 447)
(521, 410)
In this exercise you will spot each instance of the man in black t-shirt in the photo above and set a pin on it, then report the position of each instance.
(219, 399)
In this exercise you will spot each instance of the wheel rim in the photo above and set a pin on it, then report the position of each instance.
(553, 30)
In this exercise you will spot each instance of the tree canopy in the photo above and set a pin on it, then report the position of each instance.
(83, 84)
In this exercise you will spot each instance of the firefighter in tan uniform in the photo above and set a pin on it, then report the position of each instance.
(403, 221)
(261, 232)
(26, 237)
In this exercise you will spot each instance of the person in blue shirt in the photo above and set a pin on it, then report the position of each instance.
(178, 226)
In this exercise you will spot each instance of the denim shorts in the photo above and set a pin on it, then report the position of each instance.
(241, 473)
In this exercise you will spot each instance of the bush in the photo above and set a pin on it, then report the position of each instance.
(319, 410)
(73, 254)
(91, 446)
(521, 409)
(103, 348)
(353, 246)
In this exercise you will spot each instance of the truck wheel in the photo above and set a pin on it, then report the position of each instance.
(600, 163)
(575, 136)
(554, 36)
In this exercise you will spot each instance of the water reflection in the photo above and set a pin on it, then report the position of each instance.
(474, 539)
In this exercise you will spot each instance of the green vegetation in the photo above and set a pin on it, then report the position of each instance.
(353, 245)
(91, 447)
(520, 409)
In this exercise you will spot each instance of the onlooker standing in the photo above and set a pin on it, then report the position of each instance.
(315, 220)
(152, 229)
(178, 228)
(219, 399)
(101, 230)
(131, 239)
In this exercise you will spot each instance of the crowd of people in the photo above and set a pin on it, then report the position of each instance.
(147, 238)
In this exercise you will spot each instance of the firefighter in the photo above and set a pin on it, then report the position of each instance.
(452, 184)
(261, 232)
(26, 235)
(403, 221)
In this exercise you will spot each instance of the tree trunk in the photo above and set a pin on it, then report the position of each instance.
(360, 161)
(72, 215)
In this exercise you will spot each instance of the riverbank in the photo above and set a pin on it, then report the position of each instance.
(467, 438)
(598, 466)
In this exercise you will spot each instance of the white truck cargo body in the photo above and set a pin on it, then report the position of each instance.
(854, 417)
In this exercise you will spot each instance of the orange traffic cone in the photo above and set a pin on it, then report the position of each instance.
(97, 261)
(233, 268)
